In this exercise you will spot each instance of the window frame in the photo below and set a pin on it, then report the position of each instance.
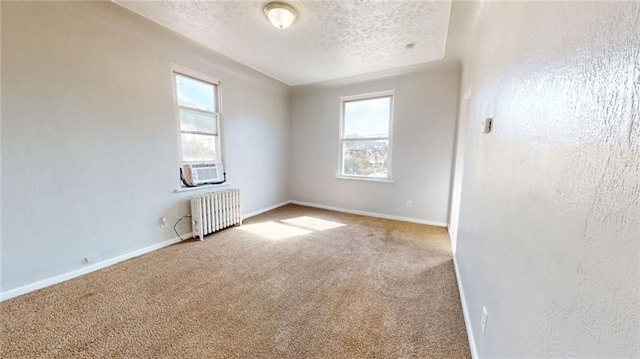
(342, 139)
(198, 76)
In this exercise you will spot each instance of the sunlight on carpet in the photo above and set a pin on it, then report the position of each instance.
(313, 223)
(294, 227)
(273, 230)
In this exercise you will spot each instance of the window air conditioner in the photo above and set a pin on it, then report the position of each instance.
(202, 173)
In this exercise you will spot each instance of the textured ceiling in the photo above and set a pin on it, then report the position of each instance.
(329, 40)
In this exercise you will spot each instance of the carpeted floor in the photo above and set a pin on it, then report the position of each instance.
(295, 282)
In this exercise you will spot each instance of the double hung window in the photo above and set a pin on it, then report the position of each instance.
(365, 136)
(197, 107)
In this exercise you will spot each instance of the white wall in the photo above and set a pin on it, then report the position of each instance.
(456, 180)
(549, 234)
(424, 127)
(89, 143)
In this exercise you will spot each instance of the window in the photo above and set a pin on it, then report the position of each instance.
(197, 108)
(365, 136)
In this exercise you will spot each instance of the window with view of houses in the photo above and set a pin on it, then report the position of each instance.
(365, 136)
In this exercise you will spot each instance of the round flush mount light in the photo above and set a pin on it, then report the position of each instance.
(280, 14)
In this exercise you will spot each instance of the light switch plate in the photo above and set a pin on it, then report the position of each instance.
(486, 125)
(483, 319)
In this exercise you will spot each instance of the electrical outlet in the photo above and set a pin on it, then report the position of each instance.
(409, 204)
(163, 222)
(87, 260)
(483, 319)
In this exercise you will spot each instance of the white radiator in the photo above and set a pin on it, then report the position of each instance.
(214, 211)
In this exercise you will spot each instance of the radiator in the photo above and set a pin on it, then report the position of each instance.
(212, 212)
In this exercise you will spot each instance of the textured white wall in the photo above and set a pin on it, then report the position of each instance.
(89, 143)
(549, 235)
(423, 132)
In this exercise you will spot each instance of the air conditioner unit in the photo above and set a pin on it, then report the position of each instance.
(202, 173)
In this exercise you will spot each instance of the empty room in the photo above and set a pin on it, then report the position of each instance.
(320, 179)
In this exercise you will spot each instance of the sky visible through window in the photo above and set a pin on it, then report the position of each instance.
(198, 119)
(195, 94)
(367, 118)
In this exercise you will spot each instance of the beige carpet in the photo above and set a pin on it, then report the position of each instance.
(295, 282)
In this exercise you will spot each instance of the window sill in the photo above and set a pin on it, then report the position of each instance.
(369, 179)
(210, 186)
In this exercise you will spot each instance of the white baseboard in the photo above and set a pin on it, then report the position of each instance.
(371, 214)
(108, 262)
(88, 269)
(261, 211)
(465, 312)
(94, 267)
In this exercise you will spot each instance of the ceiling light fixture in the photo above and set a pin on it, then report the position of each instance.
(280, 14)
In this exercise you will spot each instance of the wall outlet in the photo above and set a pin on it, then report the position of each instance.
(409, 204)
(483, 319)
(163, 222)
(87, 260)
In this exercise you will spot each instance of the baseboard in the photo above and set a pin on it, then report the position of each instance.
(371, 214)
(94, 267)
(465, 312)
(261, 211)
(88, 269)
